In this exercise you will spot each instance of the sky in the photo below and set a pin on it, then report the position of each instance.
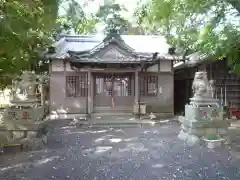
(91, 6)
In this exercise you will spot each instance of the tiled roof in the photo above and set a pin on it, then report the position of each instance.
(84, 47)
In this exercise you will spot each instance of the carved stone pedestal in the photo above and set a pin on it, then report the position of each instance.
(23, 119)
(193, 131)
(203, 116)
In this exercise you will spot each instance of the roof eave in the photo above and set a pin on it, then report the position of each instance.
(113, 62)
(190, 64)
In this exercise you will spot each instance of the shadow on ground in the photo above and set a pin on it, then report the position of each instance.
(130, 153)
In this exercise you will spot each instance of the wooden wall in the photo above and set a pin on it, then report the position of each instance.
(217, 71)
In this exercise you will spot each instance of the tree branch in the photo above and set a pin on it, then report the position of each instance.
(235, 4)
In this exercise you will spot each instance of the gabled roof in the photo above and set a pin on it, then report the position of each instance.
(108, 40)
(120, 51)
(85, 48)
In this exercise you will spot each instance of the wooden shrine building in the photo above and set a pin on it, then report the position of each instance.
(94, 73)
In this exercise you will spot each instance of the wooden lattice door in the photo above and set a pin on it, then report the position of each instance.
(113, 90)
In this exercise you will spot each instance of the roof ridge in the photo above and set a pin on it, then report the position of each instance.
(110, 39)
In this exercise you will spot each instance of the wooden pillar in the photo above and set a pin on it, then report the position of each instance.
(90, 90)
(64, 80)
(136, 98)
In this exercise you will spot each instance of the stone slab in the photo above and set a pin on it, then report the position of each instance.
(210, 131)
(203, 113)
(32, 134)
(22, 125)
(32, 144)
(195, 131)
(29, 113)
(212, 144)
(205, 123)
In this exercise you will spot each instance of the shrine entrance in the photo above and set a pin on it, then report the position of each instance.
(113, 91)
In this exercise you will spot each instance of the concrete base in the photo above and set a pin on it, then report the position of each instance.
(25, 113)
(24, 103)
(114, 123)
(53, 116)
(212, 144)
(204, 101)
(62, 116)
(194, 130)
(110, 119)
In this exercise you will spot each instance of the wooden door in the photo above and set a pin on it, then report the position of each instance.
(113, 90)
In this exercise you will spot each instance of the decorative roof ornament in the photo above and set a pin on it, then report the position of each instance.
(113, 34)
(122, 48)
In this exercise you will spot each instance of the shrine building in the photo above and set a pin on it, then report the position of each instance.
(112, 73)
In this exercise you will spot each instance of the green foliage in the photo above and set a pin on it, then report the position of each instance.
(209, 26)
(110, 15)
(75, 18)
(25, 28)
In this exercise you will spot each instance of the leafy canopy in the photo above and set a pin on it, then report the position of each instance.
(28, 26)
(110, 15)
(25, 27)
(209, 26)
(76, 19)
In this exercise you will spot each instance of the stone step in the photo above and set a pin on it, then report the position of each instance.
(110, 125)
(115, 123)
(111, 117)
(109, 121)
(119, 125)
(105, 109)
(116, 114)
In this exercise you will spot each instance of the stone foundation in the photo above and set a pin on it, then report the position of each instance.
(193, 131)
(25, 113)
(203, 115)
(30, 135)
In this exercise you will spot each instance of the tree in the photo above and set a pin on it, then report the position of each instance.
(29, 26)
(76, 19)
(110, 15)
(25, 28)
(208, 26)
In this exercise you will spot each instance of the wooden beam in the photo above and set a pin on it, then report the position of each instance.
(107, 70)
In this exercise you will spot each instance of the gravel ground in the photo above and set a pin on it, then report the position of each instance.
(121, 154)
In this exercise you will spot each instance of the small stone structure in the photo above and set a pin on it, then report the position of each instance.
(203, 116)
(23, 119)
